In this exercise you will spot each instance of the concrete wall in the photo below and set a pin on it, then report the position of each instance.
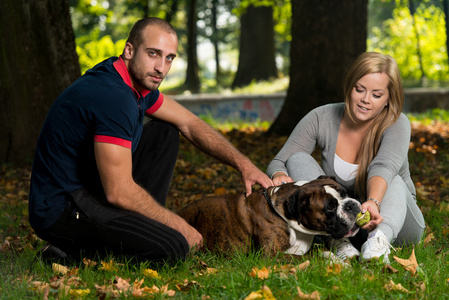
(267, 107)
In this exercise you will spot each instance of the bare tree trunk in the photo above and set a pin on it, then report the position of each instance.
(173, 9)
(192, 82)
(39, 61)
(327, 36)
(257, 51)
(215, 41)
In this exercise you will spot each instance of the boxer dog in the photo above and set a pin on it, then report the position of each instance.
(278, 219)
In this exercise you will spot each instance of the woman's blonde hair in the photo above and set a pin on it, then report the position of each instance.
(368, 63)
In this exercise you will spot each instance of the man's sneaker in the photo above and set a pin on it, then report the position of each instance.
(343, 248)
(376, 246)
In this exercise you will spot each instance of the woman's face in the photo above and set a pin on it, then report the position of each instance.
(369, 97)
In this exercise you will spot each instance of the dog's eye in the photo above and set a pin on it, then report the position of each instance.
(332, 206)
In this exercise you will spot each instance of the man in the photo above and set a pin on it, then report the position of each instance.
(100, 177)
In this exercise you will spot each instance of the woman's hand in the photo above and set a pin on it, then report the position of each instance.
(280, 178)
(376, 218)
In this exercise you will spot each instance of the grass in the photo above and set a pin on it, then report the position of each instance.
(213, 276)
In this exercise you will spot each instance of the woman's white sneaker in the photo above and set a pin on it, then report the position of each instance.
(343, 248)
(376, 246)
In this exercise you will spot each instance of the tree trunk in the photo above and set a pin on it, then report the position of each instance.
(172, 12)
(327, 36)
(215, 42)
(192, 82)
(257, 51)
(39, 61)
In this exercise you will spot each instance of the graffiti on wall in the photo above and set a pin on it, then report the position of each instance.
(243, 109)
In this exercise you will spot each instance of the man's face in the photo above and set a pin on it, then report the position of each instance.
(151, 61)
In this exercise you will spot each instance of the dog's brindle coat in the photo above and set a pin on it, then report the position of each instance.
(236, 222)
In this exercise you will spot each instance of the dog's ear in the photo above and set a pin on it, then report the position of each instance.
(327, 177)
(298, 203)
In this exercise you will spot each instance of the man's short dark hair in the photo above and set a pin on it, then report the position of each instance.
(135, 35)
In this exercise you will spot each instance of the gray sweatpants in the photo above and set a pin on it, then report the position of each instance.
(403, 222)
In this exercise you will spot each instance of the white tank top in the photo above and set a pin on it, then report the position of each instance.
(344, 170)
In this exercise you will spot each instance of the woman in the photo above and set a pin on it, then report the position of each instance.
(364, 144)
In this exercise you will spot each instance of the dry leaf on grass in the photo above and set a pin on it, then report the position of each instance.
(122, 284)
(391, 286)
(220, 191)
(314, 295)
(303, 265)
(89, 263)
(261, 274)
(333, 269)
(389, 269)
(408, 264)
(264, 294)
(151, 273)
(109, 291)
(429, 238)
(59, 269)
(187, 286)
(108, 266)
(79, 293)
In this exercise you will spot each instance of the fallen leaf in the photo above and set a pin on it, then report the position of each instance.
(389, 269)
(333, 269)
(420, 286)
(122, 284)
(303, 265)
(166, 291)
(220, 191)
(408, 264)
(187, 286)
(59, 269)
(313, 295)
(261, 274)
(79, 292)
(108, 266)
(106, 291)
(88, 263)
(429, 238)
(264, 293)
(391, 286)
(150, 273)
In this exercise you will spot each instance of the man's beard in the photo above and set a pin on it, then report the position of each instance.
(142, 78)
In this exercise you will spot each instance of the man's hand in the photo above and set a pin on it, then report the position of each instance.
(252, 175)
(193, 237)
(115, 167)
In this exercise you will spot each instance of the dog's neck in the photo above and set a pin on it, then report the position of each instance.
(292, 223)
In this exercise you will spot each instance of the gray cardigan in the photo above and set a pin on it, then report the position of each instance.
(320, 127)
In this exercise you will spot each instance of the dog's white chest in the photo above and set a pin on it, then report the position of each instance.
(300, 242)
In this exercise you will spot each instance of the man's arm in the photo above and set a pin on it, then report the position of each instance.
(208, 140)
(115, 167)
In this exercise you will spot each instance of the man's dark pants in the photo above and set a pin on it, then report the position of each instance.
(90, 224)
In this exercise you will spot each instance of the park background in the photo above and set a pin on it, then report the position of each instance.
(298, 49)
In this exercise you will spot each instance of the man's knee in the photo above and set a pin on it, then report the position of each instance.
(173, 249)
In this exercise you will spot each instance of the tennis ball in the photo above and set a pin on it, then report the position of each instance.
(362, 219)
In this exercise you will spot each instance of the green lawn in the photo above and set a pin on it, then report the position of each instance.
(210, 276)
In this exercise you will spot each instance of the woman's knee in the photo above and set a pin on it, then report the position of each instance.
(302, 166)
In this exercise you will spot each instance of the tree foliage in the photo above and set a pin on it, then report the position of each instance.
(397, 38)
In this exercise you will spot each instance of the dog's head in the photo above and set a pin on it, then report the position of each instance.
(320, 205)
